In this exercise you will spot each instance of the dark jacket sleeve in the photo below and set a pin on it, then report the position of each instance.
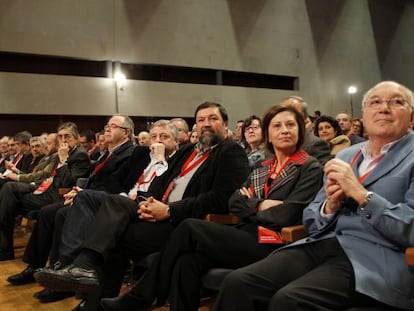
(77, 166)
(112, 176)
(211, 186)
(318, 148)
(296, 195)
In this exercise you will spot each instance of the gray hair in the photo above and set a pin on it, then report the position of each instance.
(184, 122)
(407, 93)
(167, 124)
(71, 127)
(40, 139)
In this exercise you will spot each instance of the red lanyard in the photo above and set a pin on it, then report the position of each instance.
(17, 158)
(272, 170)
(185, 169)
(54, 171)
(99, 166)
(364, 176)
(141, 180)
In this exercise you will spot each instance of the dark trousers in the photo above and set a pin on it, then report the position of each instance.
(194, 247)
(16, 198)
(78, 219)
(117, 234)
(46, 234)
(316, 276)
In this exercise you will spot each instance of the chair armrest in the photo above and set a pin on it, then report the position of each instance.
(224, 219)
(293, 233)
(409, 256)
(63, 191)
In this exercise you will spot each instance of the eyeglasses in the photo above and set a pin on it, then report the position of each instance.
(252, 128)
(160, 137)
(114, 126)
(64, 136)
(393, 103)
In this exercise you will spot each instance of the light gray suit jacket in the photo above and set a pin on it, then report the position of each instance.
(375, 237)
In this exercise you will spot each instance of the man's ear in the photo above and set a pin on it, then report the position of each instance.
(412, 119)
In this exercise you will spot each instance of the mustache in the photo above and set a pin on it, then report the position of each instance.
(207, 128)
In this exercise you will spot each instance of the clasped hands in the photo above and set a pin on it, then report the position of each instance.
(152, 210)
(70, 196)
(341, 184)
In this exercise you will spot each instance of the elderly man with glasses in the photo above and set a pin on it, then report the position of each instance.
(359, 225)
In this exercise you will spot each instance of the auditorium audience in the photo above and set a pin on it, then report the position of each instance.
(200, 182)
(164, 137)
(90, 235)
(328, 129)
(359, 225)
(108, 174)
(21, 158)
(86, 204)
(45, 165)
(73, 163)
(273, 196)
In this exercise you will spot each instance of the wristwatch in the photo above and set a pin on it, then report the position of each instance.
(367, 198)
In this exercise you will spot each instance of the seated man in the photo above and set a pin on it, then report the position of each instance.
(359, 225)
(73, 163)
(201, 182)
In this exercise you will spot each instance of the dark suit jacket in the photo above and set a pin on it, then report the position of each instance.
(212, 184)
(77, 166)
(355, 139)
(296, 191)
(112, 176)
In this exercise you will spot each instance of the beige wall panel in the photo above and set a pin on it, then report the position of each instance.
(327, 49)
(399, 61)
(175, 99)
(49, 94)
(77, 28)
(350, 58)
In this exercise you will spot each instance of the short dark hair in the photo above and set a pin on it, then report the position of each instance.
(247, 122)
(331, 121)
(23, 137)
(205, 105)
(275, 110)
(89, 134)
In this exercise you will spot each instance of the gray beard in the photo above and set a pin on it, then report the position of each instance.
(209, 140)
